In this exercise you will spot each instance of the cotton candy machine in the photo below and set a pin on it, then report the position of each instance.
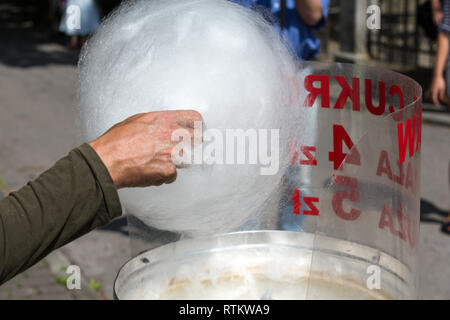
(344, 222)
(306, 184)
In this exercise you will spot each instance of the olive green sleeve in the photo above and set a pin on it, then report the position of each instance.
(70, 199)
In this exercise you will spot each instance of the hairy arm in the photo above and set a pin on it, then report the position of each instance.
(79, 193)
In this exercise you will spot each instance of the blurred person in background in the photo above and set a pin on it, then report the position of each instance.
(439, 85)
(441, 17)
(297, 20)
(80, 18)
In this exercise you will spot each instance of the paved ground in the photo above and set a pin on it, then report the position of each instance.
(37, 98)
(37, 283)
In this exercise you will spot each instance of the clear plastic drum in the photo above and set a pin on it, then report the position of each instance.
(344, 222)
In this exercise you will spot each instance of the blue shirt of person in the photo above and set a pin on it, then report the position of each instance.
(300, 35)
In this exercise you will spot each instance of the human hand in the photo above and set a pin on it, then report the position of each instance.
(137, 151)
(437, 90)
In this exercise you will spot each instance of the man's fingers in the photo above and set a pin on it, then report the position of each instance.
(172, 177)
(183, 136)
(150, 145)
(162, 172)
(183, 132)
(187, 118)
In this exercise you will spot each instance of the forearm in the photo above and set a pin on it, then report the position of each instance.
(309, 10)
(73, 197)
(79, 193)
(441, 54)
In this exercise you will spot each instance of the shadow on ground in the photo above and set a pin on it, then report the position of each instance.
(429, 212)
(117, 225)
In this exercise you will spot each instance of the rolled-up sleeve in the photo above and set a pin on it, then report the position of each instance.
(73, 197)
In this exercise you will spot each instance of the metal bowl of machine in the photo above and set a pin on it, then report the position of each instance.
(264, 265)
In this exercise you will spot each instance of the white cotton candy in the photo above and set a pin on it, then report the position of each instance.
(213, 56)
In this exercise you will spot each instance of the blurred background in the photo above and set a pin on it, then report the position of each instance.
(38, 62)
